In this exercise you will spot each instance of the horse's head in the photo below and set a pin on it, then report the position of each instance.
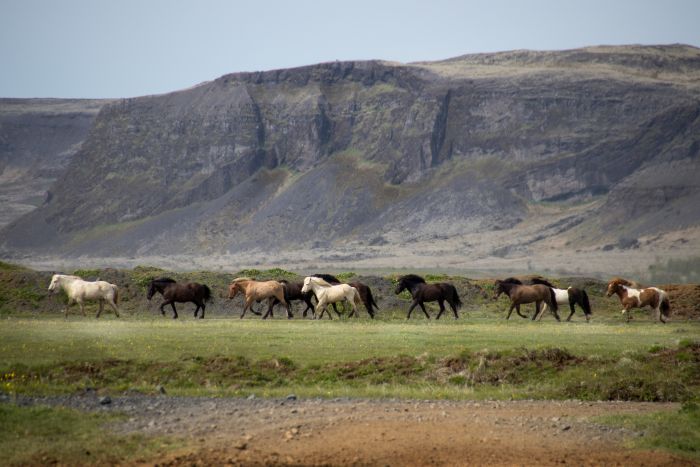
(233, 289)
(54, 282)
(307, 285)
(151, 290)
(498, 289)
(401, 286)
(614, 286)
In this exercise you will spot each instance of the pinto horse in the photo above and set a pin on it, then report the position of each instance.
(79, 291)
(520, 294)
(364, 290)
(570, 296)
(327, 293)
(255, 291)
(173, 292)
(422, 292)
(631, 297)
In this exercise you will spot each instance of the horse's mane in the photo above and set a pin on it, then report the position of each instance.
(412, 279)
(241, 279)
(166, 280)
(320, 281)
(512, 280)
(540, 280)
(327, 277)
(621, 281)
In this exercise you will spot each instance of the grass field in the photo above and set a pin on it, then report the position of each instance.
(474, 357)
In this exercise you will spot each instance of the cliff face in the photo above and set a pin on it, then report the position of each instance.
(379, 152)
(38, 138)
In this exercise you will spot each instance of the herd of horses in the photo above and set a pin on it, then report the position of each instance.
(329, 290)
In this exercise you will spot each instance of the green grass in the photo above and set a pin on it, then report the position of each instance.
(677, 432)
(470, 358)
(43, 435)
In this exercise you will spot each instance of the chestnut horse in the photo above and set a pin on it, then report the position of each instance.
(631, 297)
(255, 291)
(422, 292)
(520, 294)
(182, 293)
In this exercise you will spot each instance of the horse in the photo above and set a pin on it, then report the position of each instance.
(182, 293)
(327, 293)
(520, 294)
(424, 292)
(79, 290)
(256, 291)
(292, 291)
(571, 296)
(364, 290)
(631, 297)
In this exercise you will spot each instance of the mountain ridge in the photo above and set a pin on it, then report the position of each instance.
(373, 152)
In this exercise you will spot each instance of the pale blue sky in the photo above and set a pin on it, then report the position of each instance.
(124, 48)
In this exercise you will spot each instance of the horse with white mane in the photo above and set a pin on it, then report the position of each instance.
(327, 294)
(79, 291)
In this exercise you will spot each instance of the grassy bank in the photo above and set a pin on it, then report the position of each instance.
(479, 358)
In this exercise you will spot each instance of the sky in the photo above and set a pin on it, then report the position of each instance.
(128, 48)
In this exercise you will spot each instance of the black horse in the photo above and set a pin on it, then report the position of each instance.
(422, 292)
(364, 290)
(173, 292)
(292, 291)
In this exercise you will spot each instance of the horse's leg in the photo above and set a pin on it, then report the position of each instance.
(270, 305)
(100, 307)
(335, 308)
(571, 305)
(196, 310)
(162, 310)
(537, 310)
(413, 305)
(517, 310)
(203, 307)
(82, 308)
(454, 309)
(422, 307)
(554, 312)
(248, 303)
(172, 304)
(510, 310)
(442, 309)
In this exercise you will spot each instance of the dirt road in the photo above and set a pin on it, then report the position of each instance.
(385, 432)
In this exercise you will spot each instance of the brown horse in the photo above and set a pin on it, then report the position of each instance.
(631, 297)
(182, 293)
(292, 291)
(255, 291)
(520, 294)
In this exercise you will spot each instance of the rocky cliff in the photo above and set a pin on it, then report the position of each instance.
(377, 153)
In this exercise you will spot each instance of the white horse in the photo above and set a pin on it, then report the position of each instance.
(79, 291)
(327, 294)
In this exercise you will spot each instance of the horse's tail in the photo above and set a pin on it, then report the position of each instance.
(553, 299)
(585, 304)
(665, 305)
(207, 294)
(116, 294)
(454, 296)
(370, 300)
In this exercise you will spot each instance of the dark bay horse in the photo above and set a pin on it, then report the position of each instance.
(422, 292)
(520, 294)
(365, 293)
(292, 291)
(179, 292)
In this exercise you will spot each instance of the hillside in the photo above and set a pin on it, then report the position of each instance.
(383, 164)
(38, 138)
